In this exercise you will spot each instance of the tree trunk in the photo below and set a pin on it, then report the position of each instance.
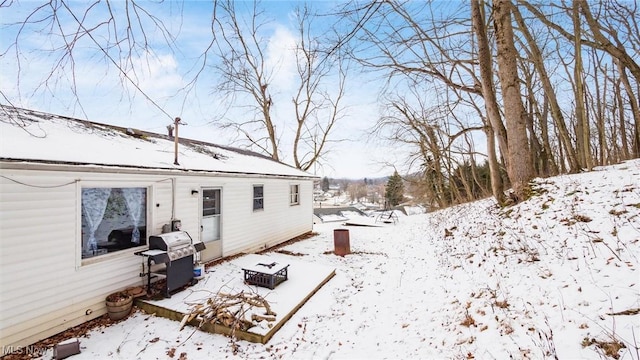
(614, 152)
(490, 101)
(546, 144)
(582, 124)
(476, 180)
(468, 195)
(437, 159)
(265, 102)
(537, 157)
(623, 127)
(519, 165)
(542, 166)
(599, 109)
(556, 111)
(635, 149)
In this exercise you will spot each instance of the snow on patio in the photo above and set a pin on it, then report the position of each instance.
(553, 277)
(304, 279)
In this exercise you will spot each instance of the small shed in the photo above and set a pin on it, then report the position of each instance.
(79, 198)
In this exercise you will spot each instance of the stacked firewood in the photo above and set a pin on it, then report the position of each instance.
(239, 311)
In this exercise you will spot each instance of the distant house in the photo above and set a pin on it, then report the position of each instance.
(78, 198)
(334, 189)
(318, 195)
(331, 214)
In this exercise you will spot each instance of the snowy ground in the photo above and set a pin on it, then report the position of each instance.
(542, 279)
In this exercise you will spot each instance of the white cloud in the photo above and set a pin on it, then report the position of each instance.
(280, 56)
(157, 76)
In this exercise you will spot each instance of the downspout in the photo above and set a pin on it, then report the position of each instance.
(173, 198)
(175, 162)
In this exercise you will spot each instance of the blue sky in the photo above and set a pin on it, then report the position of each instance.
(102, 95)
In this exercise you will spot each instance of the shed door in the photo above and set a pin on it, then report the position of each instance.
(211, 215)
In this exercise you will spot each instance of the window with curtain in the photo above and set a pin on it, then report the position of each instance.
(294, 194)
(113, 219)
(258, 197)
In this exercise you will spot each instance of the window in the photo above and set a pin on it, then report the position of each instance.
(113, 219)
(210, 202)
(294, 194)
(258, 197)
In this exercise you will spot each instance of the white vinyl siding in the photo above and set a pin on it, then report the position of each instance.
(47, 287)
(279, 222)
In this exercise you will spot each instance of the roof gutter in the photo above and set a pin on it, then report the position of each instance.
(28, 164)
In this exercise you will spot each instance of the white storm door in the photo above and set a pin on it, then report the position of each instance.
(211, 216)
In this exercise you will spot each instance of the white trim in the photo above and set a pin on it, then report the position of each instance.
(30, 164)
(297, 193)
(253, 197)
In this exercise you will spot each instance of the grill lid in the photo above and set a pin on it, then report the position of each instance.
(170, 241)
(177, 245)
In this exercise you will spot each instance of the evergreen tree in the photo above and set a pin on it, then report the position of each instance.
(394, 192)
(325, 184)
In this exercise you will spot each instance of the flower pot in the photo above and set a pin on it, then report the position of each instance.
(119, 305)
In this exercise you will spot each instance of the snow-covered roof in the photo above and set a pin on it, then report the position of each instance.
(34, 136)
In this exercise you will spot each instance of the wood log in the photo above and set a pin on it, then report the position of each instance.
(256, 317)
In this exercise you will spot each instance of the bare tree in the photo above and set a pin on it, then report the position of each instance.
(613, 29)
(246, 71)
(243, 70)
(624, 152)
(520, 168)
(606, 38)
(419, 128)
(317, 111)
(413, 50)
(599, 39)
(596, 102)
(582, 124)
(634, 103)
(123, 37)
(491, 103)
(410, 43)
(535, 55)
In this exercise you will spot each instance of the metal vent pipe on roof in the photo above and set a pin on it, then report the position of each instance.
(175, 141)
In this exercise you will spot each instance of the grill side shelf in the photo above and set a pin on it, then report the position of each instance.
(153, 256)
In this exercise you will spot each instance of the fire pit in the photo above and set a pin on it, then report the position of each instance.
(266, 274)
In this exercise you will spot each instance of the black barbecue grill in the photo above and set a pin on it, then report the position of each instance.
(176, 251)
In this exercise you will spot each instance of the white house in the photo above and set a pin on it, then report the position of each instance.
(66, 185)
